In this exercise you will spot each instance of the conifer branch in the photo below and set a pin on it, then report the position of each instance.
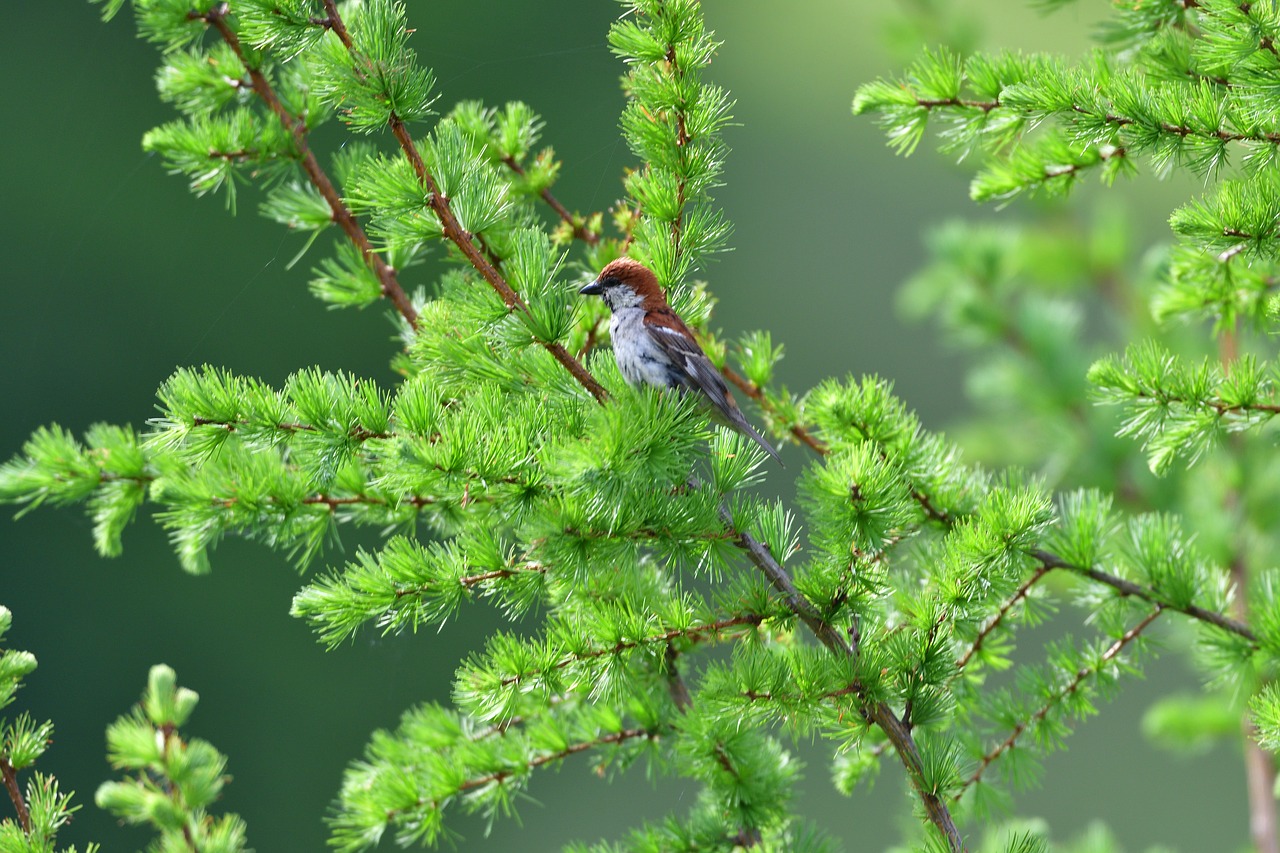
(463, 239)
(940, 103)
(879, 713)
(694, 633)
(1260, 768)
(483, 577)
(1019, 594)
(453, 230)
(580, 230)
(1129, 588)
(10, 776)
(755, 392)
(1071, 687)
(297, 128)
(675, 684)
(356, 433)
(498, 777)
(1182, 130)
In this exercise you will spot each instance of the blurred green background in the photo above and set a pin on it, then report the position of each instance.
(114, 275)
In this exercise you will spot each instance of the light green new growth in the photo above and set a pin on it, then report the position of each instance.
(41, 807)
(176, 781)
(663, 612)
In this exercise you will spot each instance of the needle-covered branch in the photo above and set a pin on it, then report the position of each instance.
(41, 809)
(177, 779)
(298, 130)
(1069, 698)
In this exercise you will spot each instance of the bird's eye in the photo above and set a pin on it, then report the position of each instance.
(609, 282)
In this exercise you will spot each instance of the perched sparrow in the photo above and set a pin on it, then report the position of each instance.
(653, 346)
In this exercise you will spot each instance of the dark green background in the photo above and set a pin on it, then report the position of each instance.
(113, 275)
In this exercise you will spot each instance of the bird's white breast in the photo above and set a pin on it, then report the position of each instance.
(640, 359)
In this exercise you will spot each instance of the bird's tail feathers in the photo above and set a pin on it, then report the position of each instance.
(759, 439)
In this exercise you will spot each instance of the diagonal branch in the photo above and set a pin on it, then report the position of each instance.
(879, 713)
(580, 231)
(1018, 595)
(391, 289)
(755, 392)
(1071, 687)
(453, 230)
(499, 777)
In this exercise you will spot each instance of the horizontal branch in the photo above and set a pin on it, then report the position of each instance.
(500, 776)
(572, 749)
(1210, 402)
(356, 432)
(936, 103)
(1182, 129)
(696, 633)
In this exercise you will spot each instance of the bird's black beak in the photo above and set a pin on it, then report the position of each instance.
(592, 289)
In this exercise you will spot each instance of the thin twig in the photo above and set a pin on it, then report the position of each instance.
(755, 392)
(675, 684)
(1071, 687)
(1017, 596)
(695, 633)
(580, 230)
(498, 777)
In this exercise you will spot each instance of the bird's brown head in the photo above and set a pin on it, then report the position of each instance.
(626, 283)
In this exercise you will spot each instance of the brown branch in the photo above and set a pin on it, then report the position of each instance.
(695, 633)
(469, 581)
(592, 337)
(1074, 685)
(755, 392)
(500, 776)
(580, 230)
(10, 775)
(358, 433)
(456, 234)
(934, 103)
(675, 684)
(1017, 596)
(462, 238)
(878, 713)
(1217, 405)
(297, 127)
(653, 533)
(1182, 129)
(1129, 588)
(572, 749)
(1260, 768)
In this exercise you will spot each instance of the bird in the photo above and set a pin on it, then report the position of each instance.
(653, 346)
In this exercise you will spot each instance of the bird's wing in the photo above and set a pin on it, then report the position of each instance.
(697, 371)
